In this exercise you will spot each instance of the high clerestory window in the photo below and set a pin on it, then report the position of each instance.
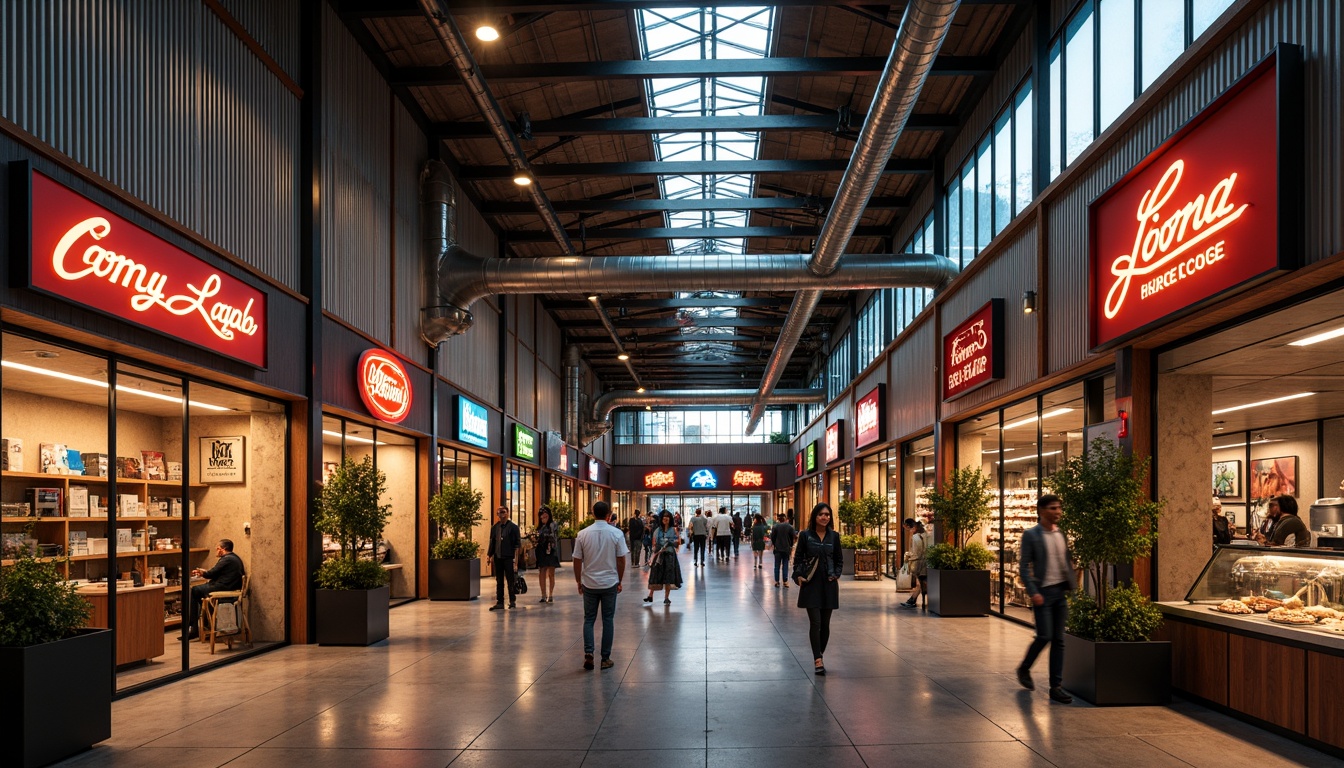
(696, 426)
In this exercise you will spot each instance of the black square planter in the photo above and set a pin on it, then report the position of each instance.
(455, 579)
(1118, 674)
(958, 593)
(352, 616)
(847, 556)
(63, 691)
(566, 550)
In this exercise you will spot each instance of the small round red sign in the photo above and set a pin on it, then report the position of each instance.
(384, 386)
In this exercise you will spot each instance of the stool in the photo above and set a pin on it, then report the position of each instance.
(209, 609)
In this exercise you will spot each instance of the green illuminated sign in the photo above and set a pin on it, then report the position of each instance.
(810, 461)
(524, 443)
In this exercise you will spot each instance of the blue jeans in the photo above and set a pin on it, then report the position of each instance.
(591, 599)
(1051, 616)
(782, 565)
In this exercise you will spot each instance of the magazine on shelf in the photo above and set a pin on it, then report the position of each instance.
(95, 464)
(55, 459)
(11, 454)
(128, 467)
(78, 503)
(154, 466)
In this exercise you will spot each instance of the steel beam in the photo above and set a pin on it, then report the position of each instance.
(685, 168)
(680, 233)
(617, 126)
(658, 204)
(669, 303)
(373, 9)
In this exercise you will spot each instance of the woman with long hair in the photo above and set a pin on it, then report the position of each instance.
(758, 531)
(914, 558)
(819, 594)
(666, 570)
(547, 537)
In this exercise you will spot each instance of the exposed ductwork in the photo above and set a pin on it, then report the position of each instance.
(599, 419)
(467, 278)
(438, 208)
(921, 35)
(573, 416)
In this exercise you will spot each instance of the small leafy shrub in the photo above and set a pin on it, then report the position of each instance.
(454, 549)
(1127, 617)
(945, 557)
(587, 522)
(562, 513)
(566, 533)
(849, 541)
(344, 573)
(37, 605)
(456, 509)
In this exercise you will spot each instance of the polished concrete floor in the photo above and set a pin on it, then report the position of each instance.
(722, 677)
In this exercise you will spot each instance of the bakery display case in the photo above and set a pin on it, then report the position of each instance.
(1302, 588)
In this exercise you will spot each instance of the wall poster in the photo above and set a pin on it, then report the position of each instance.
(222, 460)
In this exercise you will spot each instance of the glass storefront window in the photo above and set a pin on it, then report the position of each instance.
(917, 476)
(143, 497)
(518, 493)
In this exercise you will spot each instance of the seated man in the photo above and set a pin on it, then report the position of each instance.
(227, 575)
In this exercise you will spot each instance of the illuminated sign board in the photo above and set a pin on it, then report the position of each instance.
(384, 385)
(84, 253)
(473, 423)
(746, 478)
(798, 464)
(524, 443)
(660, 479)
(594, 470)
(1214, 208)
(810, 457)
(834, 445)
(973, 351)
(868, 417)
(704, 478)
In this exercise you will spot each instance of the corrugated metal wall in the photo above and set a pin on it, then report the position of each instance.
(524, 385)
(274, 24)
(911, 394)
(549, 341)
(356, 184)
(1012, 272)
(471, 361)
(412, 290)
(163, 101)
(524, 323)
(549, 399)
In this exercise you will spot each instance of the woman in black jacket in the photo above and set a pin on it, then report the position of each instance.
(820, 594)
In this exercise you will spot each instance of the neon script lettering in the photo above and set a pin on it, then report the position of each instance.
(659, 479)
(1159, 241)
(385, 383)
(867, 417)
(150, 288)
(744, 478)
(968, 342)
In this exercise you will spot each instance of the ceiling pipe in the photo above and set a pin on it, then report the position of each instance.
(438, 206)
(621, 354)
(467, 278)
(599, 419)
(921, 35)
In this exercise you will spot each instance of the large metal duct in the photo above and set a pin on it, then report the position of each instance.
(438, 208)
(466, 278)
(921, 35)
(573, 417)
(604, 405)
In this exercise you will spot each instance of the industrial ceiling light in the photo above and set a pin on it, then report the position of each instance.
(1318, 338)
(1028, 302)
(640, 390)
(522, 179)
(487, 32)
(622, 357)
(1271, 401)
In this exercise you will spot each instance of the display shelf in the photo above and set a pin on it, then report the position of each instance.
(30, 519)
(96, 480)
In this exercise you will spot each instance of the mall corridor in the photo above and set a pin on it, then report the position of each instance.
(721, 678)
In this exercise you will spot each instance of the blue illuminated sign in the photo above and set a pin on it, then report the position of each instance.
(703, 478)
(473, 423)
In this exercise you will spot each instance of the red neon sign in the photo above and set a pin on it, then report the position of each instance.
(659, 479)
(798, 464)
(973, 351)
(384, 386)
(745, 478)
(833, 441)
(1196, 218)
(868, 418)
(83, 253)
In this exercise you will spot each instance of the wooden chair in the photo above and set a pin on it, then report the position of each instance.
(210, 608)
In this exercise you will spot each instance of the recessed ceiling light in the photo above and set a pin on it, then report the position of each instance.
(1318, 338)
(1271, 401)
(103, 385)
(1030, 419)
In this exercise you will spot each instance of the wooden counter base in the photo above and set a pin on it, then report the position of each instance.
(139, 620)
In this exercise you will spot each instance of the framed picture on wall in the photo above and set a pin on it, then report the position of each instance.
(1274, 477)
(222, 460)
(1226, 479)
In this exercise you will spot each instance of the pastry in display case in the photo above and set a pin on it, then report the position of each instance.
(1302, 588)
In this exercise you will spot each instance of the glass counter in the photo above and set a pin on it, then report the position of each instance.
(1291, 588)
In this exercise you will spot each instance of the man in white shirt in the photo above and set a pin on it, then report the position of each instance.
(599, 567)
(723, 534)
(1047, 572)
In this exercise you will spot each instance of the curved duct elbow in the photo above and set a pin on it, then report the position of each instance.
(439, 320)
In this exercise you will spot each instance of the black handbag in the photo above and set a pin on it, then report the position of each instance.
(519, 585)
(805, 569)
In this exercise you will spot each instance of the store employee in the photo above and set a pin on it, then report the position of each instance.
(226, 576)
(1288, 530)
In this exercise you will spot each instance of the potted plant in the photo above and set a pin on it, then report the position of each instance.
(1111, 521)
(958, 575)
(562, 512)
(57, 673)
(454, 565)
(859, 515)
(353, 596)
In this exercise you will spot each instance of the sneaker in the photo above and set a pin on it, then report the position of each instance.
(587, 661)
(1024, 678)
(786, 585)
(608, 663)
(776, 583)
(497, 607)
(1058, 694)
(907, 604)
(542, 600)
(512, 604)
